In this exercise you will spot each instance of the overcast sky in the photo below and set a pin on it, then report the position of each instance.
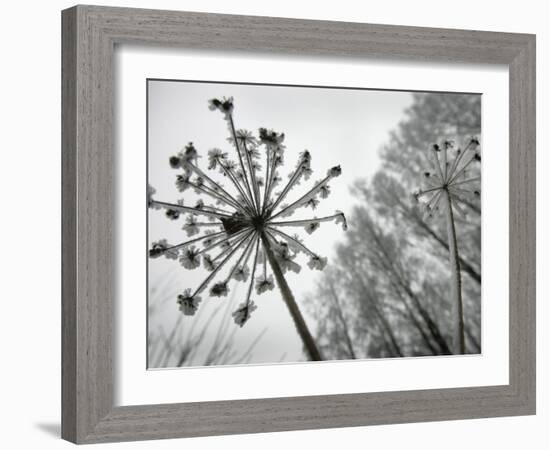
(338, 126)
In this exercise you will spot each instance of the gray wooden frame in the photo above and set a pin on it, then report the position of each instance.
(89, 36)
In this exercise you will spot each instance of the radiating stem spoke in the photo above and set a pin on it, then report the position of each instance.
(267, 178)
(193, 241)
(204, 284)
(462, 169)
(188, 209)
(253, 274)
(272, 174)
(229, 197)
(293, 179)
(298, 223)
(235, 181)
(304, 197)
(242, 257)
(232, 238)
(212, 193)
(234, 133)
(458, 158)
(292, 241)
(253, 178)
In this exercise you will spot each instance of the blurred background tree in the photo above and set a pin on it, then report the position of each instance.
(181, 346)
(388, 295)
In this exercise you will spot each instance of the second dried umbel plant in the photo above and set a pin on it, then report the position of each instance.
(450, 185)
(246, 224)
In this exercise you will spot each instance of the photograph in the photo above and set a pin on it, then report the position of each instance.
(291, 224)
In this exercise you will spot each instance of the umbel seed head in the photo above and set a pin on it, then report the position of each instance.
(244, 217)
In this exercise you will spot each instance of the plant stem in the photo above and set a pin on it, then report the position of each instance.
(301, 326)
(456, 282)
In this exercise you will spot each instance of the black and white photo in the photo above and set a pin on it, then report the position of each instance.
(302, 223)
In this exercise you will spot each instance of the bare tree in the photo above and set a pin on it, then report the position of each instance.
(391, 282)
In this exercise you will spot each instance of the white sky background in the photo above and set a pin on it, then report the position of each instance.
(338, 126)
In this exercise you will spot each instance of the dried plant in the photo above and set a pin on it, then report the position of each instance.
(245, 224)
(449, 183)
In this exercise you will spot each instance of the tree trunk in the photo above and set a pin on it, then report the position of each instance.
(464, 265)
(387, 328)
(413, 216)
(390, 265)
(456, 282)
(340, 314)
(288, 297)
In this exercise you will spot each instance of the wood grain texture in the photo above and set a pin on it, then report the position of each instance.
(68, 225)
(89, 36)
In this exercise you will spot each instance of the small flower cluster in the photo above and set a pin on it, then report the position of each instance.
(449, 177)
(239, 224)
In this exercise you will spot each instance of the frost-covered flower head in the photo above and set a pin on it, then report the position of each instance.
(449, 173)
(240, 224)
(242, 314)
(188, 303)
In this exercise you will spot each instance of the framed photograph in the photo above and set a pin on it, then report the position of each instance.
(277, 224)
